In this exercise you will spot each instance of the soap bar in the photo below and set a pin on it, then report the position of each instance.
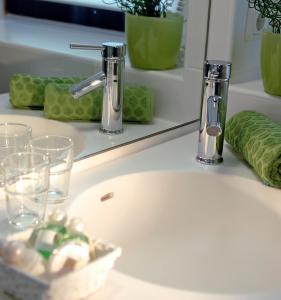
(138, 104)
(44, 238)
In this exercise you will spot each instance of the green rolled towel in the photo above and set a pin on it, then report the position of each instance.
(29, 91)
(258, 139)
(52, 94)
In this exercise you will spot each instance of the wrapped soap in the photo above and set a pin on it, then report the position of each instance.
(71, 272)
(76, 232)
(70, 256)
(44, 239)
(74, 249)
(64, 246)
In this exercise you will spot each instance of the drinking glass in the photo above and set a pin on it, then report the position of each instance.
(26, 183)
(14, 137)
(59, 149)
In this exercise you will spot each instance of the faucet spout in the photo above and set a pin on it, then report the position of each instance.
(213, 112)
(86, 86)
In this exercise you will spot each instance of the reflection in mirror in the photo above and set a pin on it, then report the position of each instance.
(40, 48)
(236, 36)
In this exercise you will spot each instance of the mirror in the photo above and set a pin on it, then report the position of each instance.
(235, 36)
(177, 92)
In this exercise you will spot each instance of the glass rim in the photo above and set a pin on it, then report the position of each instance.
(28, 128)
(45, 160)
(47, 148)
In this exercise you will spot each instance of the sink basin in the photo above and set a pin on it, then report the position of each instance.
(41, 126)
(192, 231)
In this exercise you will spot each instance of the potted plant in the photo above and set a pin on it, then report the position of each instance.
(270, 44)
(153, 34)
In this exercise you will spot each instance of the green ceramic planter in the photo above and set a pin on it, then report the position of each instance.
(154, 43)
(271, 63)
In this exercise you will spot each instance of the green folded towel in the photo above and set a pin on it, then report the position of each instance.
(258, 139)
(60, 105)
(52, 94)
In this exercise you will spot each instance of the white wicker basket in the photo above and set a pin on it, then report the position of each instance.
(71, 286)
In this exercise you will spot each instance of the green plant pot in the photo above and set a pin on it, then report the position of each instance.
(271, 63)
(154, 43)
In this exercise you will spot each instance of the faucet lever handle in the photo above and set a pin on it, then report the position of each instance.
(109, 50)
(213, 126)
(84, 47)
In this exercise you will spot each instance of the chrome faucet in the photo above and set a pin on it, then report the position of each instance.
(216, 75)
(112, 78)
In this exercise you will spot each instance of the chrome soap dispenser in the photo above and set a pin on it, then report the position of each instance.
(216, 75)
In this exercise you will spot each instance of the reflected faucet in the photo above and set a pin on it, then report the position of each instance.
(112, 78)
(216, 75)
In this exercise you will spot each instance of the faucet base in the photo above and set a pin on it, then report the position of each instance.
(112, 132)
(209, 161)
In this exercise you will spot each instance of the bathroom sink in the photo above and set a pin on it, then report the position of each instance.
(41, 126)
(192, 231)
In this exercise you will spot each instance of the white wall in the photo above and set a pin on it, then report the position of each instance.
(22, 59)
(246, 44)
(196, 44)
(230, 38)
(198, 11)
(221, 30)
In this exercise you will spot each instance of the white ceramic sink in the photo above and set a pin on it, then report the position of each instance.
(42, 126)
(191, 231)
